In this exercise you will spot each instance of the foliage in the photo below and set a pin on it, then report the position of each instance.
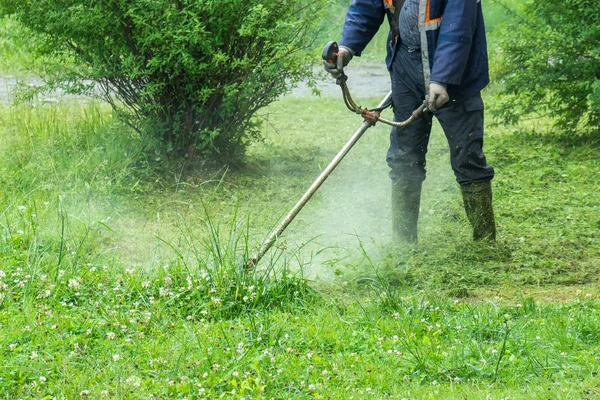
(549, 63)
(15, 47)
(192, 72)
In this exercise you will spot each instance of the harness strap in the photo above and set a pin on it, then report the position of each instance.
(395, 25)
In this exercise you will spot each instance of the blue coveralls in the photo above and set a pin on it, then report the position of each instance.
(452, 52)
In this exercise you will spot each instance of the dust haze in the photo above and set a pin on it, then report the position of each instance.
(349, 218)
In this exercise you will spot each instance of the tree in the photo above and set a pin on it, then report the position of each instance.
(549, 63)
(193, 72)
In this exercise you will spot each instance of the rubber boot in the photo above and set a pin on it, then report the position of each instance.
(406, 201)
(477, 198)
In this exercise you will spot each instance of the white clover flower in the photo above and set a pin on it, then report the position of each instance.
(33, 355)
(2, 274)
(42, 379)
(116, 357)
(74, 283)
(110, 335)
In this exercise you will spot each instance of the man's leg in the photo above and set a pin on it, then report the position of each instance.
(408, 145)
(463, 126)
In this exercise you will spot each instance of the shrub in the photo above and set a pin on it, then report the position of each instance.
(549, 63)
(193, 72)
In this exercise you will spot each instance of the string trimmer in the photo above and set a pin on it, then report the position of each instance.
(370, 115)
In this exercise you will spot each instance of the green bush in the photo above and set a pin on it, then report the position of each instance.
(193, 72)
(549, 63)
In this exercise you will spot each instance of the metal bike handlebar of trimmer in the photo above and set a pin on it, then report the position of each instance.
(330, 55)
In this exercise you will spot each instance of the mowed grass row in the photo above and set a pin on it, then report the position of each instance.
(121, 274)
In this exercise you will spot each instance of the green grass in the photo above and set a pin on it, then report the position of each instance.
(121, 272)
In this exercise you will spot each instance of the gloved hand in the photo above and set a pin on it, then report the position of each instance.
(437, 97)
(345, 54)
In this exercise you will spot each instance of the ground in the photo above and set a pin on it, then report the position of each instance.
(120, 269)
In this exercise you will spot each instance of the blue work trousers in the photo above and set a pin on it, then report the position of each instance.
(462, 123)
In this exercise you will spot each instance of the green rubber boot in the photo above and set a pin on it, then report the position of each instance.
(406, 201)
(477, 198)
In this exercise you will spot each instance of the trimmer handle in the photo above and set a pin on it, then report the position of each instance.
(330, 52)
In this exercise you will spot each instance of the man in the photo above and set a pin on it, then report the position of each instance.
(436, 51)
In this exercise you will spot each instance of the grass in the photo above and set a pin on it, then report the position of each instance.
(120, 268)
(100, 297)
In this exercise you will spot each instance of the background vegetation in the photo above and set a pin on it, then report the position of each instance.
(549, 63)
(191, 73)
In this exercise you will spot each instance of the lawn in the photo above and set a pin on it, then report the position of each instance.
(121, 269)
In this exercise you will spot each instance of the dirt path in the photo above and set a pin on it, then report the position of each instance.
(366, 79)
(9, 83)
(7, 86)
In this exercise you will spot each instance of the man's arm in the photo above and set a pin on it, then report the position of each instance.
(363, 20)
(454, 41)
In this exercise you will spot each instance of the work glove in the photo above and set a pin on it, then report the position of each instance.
(345, 54)
(437, 97)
